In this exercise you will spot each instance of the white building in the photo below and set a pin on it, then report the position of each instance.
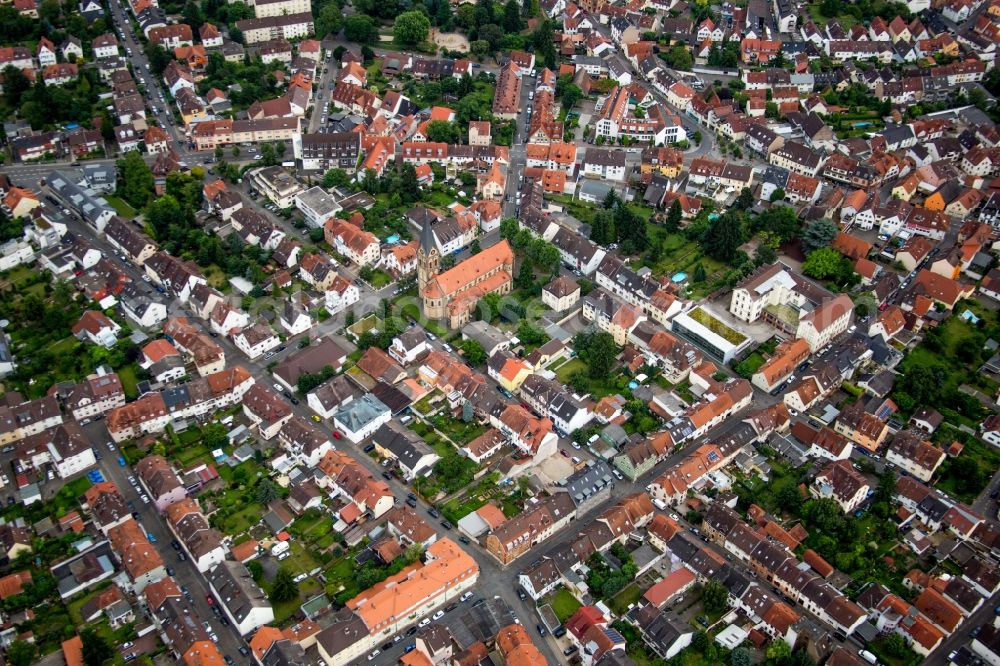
(316, 206)
(360, 418)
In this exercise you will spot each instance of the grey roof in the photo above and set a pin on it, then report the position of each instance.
(485, 334)
(82, 199)
(360, 412)
(407, 448)
(589, 481)
(236, 589)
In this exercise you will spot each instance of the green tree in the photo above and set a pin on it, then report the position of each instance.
(714, 597)
(411, 28)
(268, 155)
(789, 498)
(778, 651)
(780, 221)
(492, 34)
(266, 492)
(724, 237)
(777, 195)
(20, 653)
(256, 570)
(465, 17)
(525, 279)
(284, 587)
(512, 17)
(192, 15)
(699, 274)
(818, 234)
(158, 58)
(741, 657)
(598, 350)
(443, 131)
(361, 28)
(530, 334)
(329, 20)
(15, 84)
(474, 352)
(96, 650)
(678, 57)
(895, 646)
(336, 178)
(674, 216)
(214, 436)
(823, 263)
(137, 180)
(508, 229)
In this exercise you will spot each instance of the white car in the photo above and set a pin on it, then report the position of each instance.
(465, 597)
(301, 577)
(424, 622)
(278, 387)
(374, 654)
(438, 615)
(145, 278)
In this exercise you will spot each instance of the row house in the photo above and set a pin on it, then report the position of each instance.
(285, 26)
(345, 477)
(178, 277)
(548, 398)
(21, 420)
(208, 357)
(141, 563)
(160, 481)
(775, 564)
(916, 456)
(202, 542)
(152, 412)
(94, 397)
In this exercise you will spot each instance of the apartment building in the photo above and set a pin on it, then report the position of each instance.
(397, 602)
(202, 542)
(285, 26)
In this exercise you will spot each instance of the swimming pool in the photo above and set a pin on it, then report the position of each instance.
(679, 277)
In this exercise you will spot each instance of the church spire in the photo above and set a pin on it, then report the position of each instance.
(428, 257)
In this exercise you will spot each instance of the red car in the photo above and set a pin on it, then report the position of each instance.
(336, 435)
(564, 452)
(210, 599)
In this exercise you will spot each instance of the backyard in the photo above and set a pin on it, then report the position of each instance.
(121, 207)
(563, 604)
(574, 372)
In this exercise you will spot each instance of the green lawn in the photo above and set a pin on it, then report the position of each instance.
(380, 279)
(750, 365)
(563, 604)
(568, 369)
(127, 375)
(596, 387)
(457, 430)
(458, 508)
(621, 601)
(121, 207)
(847, 21)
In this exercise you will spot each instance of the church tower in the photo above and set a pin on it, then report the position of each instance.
(428, 257)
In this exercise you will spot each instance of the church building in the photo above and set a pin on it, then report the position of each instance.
(455, 292)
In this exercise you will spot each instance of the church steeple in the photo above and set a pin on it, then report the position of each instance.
(428, 257)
